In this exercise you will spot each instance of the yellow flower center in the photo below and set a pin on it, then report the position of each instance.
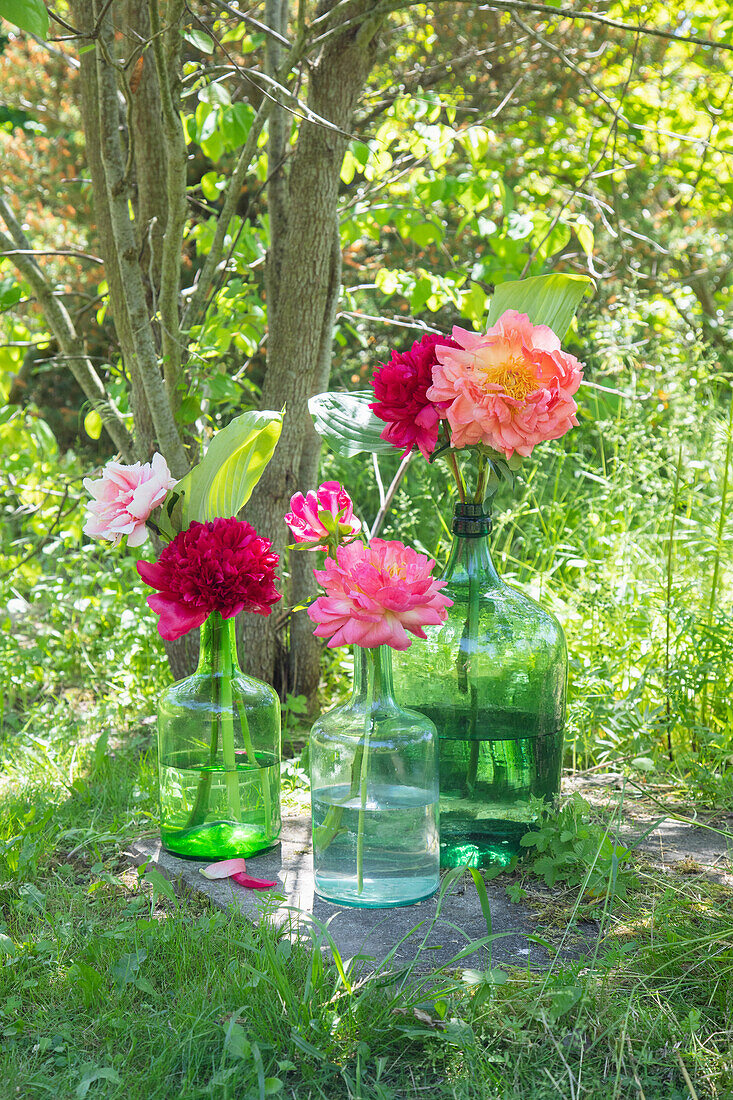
(513, 375)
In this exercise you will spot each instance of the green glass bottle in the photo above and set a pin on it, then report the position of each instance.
(219, 755)
(374, 794)
(492, 678)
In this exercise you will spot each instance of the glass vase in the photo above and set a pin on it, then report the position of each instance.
(492, 678)
(219, 755)
(374, 795)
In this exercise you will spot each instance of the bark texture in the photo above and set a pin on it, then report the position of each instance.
(307, 286)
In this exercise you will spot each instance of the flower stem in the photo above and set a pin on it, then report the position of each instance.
(482, 479)
(373, 663)
(471, 632)
(201, 805)
(222, 677)
(252, 758)
(323, 834)
(452, 461)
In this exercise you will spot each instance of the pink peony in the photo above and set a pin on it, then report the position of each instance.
(124, 497)
(375, 593)
(400, 389)
(510, 388)
(323, 516)
(219, 566)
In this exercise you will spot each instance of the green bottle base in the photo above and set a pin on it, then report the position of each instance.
(216, 841)
(481, 843)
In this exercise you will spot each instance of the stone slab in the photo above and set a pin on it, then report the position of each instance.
(429, 935)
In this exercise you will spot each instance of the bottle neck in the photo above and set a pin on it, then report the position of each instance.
(470, 554)
(218, 646)
(373, 675)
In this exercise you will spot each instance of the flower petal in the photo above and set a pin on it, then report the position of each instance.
(225, 869)
(253, 883)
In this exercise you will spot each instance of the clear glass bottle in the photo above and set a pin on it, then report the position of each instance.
(374, 794)
(219, 755)
(492, 678)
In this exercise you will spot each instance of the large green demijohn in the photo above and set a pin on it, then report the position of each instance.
(492, 678)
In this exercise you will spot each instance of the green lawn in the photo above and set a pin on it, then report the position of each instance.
(110, 987)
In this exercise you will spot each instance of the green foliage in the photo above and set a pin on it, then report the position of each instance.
(222, 483)
(566, 847)
(347, 423)
(29, 15)
(546, 299)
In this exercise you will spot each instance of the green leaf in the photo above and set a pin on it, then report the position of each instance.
(160, 885)
(546, 299)
(216, 94)
(200, 41)
(96, 1073)
(10, 294)
(236, 1043)
(29, 15)
(483, 896)
(223, 481)
(347, 423)
(93, 424)
(124, 971)
(7, 947)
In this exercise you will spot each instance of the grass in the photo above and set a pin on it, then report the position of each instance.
(110, 987)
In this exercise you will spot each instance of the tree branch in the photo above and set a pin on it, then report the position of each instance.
(127, 249)
(63, 329)
(176, 153)
(383, 7)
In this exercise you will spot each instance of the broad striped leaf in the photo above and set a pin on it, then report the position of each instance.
(546, 299)
(223, 481)
(347, 423)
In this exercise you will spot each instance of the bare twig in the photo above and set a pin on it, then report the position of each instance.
(64, 330)
(385, 6)
(51, 252)
(245, 17)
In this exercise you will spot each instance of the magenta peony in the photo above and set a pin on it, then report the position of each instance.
(400, 389)
(219, 566)
(375, 593)
(124, 497)
(510, 388)
(323, 516)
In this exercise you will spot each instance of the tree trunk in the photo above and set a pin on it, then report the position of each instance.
(304, 651)
(305, 289)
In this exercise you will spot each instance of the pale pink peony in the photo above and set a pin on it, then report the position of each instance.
(322, 516)
(124, 497)
(510, 388)
(375, 593)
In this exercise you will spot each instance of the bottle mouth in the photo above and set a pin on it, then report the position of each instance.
(471, 521)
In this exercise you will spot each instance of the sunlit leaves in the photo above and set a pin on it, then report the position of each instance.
(29, 15)
(222, 483)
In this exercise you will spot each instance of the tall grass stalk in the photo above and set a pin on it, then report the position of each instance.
(668, 606)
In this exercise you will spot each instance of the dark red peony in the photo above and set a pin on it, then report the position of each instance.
(219, 566)
(399, 387)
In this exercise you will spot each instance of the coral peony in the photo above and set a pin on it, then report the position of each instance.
(219, 566)
(375, 593)
(400, 389)
(510, 388)
(124, 497)
(323, 516)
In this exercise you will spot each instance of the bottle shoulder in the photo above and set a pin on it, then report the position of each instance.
(203, 686)
(502, 605)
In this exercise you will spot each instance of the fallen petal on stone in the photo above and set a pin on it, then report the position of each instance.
(226, 869)
(253, 883)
